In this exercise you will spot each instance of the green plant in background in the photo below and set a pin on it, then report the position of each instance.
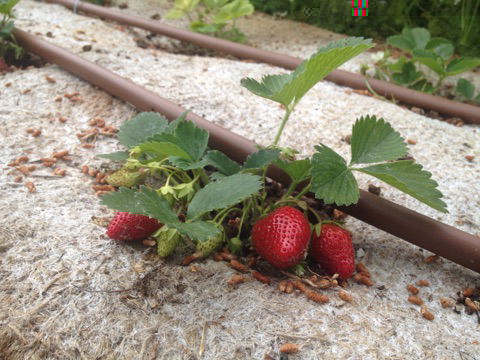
(215, 17)
(435, 53)
(466, 91)
(8, 46)
(455, 20)
(196, 189)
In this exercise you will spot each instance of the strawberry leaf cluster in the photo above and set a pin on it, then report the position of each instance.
(8, 45)
(372, 141)
(170, 174)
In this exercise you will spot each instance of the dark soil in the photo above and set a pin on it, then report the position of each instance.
(10, 63)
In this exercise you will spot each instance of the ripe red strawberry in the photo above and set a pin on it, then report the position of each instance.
(282, 237)
(333, 250)
(129, 227)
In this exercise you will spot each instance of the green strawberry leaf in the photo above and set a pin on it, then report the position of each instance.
(222, 162)
(187, 164)
(374, 141)
(149, 203)
(399, 79)
(214, 4)
(441, 47)
(187, 142)
(423, 85)
(6, 6)
(122, 200)
(410, 73)
(174, 124)
(198, 230)
(175, 14)
(204, 28)
(410, 178)
(156, 206)
(223, 193)
(429, 59)
(460, 65)
(417, 36)
(165, 148)
(270, 87)
(217, 176)
(141, 127)
(192, 139)
(401, 42)
(116, 156)
(465, 88)
(6, 29)
(410, 39)
(397, 66)
(181, 8)
(144, 202)
(261, 158)
(233, 10)
(288, 89)
(298, 170)
(332, 180)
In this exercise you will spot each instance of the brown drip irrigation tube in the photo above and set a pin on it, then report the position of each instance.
(441, 239)
(469, 113)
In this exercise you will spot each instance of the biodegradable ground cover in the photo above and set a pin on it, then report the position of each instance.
(67, 292)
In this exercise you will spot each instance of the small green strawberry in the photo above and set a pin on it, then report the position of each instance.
(206, 248)
(125, 178)
(235, 245)
(167, 240)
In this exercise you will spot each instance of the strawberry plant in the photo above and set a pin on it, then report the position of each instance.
(466, 91)
(8, 46)
(434, 54)
(213, 17)
(202, 196)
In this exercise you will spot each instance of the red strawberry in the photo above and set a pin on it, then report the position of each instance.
(282, 237)
(333, 250)
(128, 227)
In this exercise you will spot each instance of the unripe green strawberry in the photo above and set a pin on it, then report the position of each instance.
(167, 240)
(235, 245)
(206, 248)
(125, 178)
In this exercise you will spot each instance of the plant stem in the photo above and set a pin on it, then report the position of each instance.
(203, 176)
(245, 210)
(223, 214)
(283, 201)
(282, 125)
(303, 192)
(439, 82)
(319, 219)
(264, 193)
